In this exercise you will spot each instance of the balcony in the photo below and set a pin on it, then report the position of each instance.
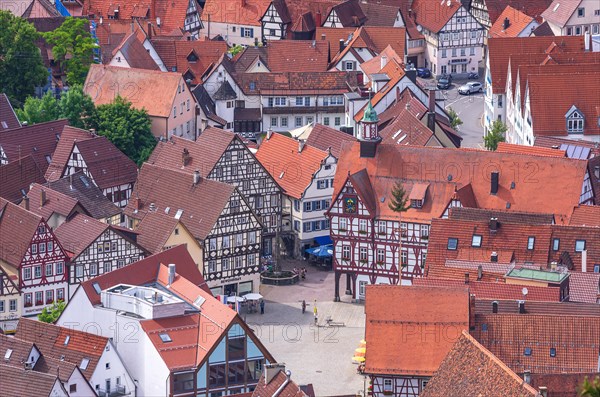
(416, 47)
(289, 109)
(116, 391)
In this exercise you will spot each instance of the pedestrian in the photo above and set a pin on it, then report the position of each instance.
(262, 306)
(315, 312)
(303, 271)
(303, 306)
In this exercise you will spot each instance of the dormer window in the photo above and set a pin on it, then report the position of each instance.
(416, 203)
(192, 57)
(575, 121)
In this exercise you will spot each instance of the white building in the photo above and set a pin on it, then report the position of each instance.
(573, 17)
(237, 22)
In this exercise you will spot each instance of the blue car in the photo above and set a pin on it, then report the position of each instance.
(424, 73)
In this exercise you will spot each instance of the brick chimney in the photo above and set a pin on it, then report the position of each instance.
(26, 201)
(42, 197)
(318, 17)
(185, 157)
(431, 112)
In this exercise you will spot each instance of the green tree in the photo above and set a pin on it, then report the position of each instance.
(235, 50)
(73, 47)
(21, 65)
(399, 201)
(455, 121)
(77, 107)
(39, 110)
(495, 135)
(590, 389)
(51, 313)
(127, 128)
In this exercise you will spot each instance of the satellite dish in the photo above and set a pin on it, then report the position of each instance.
(419, 28)
(525, 291)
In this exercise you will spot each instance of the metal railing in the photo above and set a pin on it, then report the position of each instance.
(117, 391)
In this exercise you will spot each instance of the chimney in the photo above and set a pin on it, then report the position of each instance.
(494, 182)
(494, 224)
(301, 144)
(171, 273)
(479, 272)
(149, 30)
(521, 307)
(318, 18)
(269, 133)
(383, 61)
(42, 197)
(185, 157)
(398, 94)
(466, 278)
(71, 181)
(586, 41)
(584, 261)
(506, 23)
(431, 112)
(543, 391)
(527, 376)
(495, 307)
(342, 46)
(494, 257)
(196, 177)
(137, 203)
(26, 200)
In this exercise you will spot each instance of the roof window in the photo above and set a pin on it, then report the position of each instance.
(97, 288)
(84, 363)
(67, 339)
(165, 337)
(8, 354)
(552, 352)
(527, 351)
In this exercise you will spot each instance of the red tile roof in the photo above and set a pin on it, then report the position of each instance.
(500, 290)
(79, 233)
(63, 150)
(50, 340)
(325, 138)
(7, 114)
(552, 142)
(18, 381)
(484, 306)
(201, 204)
(575, 339)
(155, 90)
(146, 271)
(560, 11)
(374, 38)
(296, 83)
(584, 287)
(247, 13)
(395, 72)
(37, 140)
(396, 320)
(55, 202)
(134, 52)
(406, 129)
(154, 231)
(433, 15)
(561, 385)
(500, 51)
(517, 22)
(17, 228)
(16, 177)
(504, 147)
(568, 235)
(471, 370)
(291, 169)
(379, 14)
(373, 65)
(586, 215)
(472, 168)
(264, 389)
(533, 8)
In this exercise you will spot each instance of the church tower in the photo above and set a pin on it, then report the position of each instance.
(368, 134)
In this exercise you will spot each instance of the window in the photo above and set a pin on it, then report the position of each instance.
(325, 120)
(552, 352)
(212, 266)
(345, 252)
(73, 387)
(12, 305)
(555, 244)
(362, 285)
(34, 248)
(580, 12)
(455, 36)
(323, 184)
(424, 230)
(1, 306)
(309, 119)
(165, 338)
(579, 245)
(404, 258)
(476, 242)
(444, 69)
(307, 227)
(252, 237)
(500, 100)
(343, 224)
(276, 101)
(575, 121)
(363, 256)
(212, 244)
(307, 206)
(273, 121)
(463, 52)
(452, 243)
(247, 32)
(238, 262)
(49, 296)
(49, 246)
(453, 52)
(225, 243)
(60, 294)
(362, 225)
(531, 243)
(79, 271)
(596, 268)
(337, 121)
(42, 248)
(381, 255)
(297, 226)
(284, 121)
(93, 269)
(527, 351)
(298, 121)
(28, 300)
(387, 385)
(174, 111)
(348, 65)
(381, 227)
(37, 271)
(27, 273)
(443, 53)
(416, 203)
(39, 298)
(49, 267)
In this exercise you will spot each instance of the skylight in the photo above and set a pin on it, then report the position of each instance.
(552, 352)
(84, 363)
(556, 7)
(97, 288)
(199, 301)
(7, 354)
(84, 180)
(528, 351)
(165, 338)
(178, 214)
(67, 339)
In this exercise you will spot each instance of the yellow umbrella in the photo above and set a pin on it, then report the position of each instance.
(361, 350)
(359, 359)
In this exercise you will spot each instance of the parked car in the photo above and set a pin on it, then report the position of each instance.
(424, 73)
(470, 87)
(444, 82)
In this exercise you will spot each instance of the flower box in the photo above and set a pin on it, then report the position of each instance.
(362, 232)
(381, 263)
(48, 301)
(39, 303)
(363, 261)
(424, 237)
(28, 304)
(342, 230)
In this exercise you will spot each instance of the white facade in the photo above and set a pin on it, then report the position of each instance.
(272, 26)
(586, 18)
(494, 107)
(77, 385)
(233, 34)
(154, 55)
(286, 112)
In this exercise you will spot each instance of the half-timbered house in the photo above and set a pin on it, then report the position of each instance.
(53, 206)
(236, 22)
(453, 36)
(222, 156)
(31, 254)
(218, 216)
(374, 244)
(10, 301)
(96, 248)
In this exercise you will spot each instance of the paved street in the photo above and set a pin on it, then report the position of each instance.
(468, 107)
(318, 355)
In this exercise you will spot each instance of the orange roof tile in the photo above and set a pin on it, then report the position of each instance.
(517, 21)
(560, 12)
(55, 202)
(433, 14)
(291, 169)
(264, 389)
(395, 72)
(373, 65)
(233, 12)
(68, 137)
(504, 147)
(397, 318)
(586, 215)
(471, 370)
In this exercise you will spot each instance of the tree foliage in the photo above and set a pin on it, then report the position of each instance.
(495, 135)
(590, 389)
(127, 128)
(21, 65)
(73, 47)
(39, 110)
(51, 313)
(235, 50)
(77, 107)
(399, 200)
(455, 121)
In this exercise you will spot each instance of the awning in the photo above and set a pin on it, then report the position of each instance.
(322, 251)
(323, 240)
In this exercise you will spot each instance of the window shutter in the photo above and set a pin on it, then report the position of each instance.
(343, 65)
